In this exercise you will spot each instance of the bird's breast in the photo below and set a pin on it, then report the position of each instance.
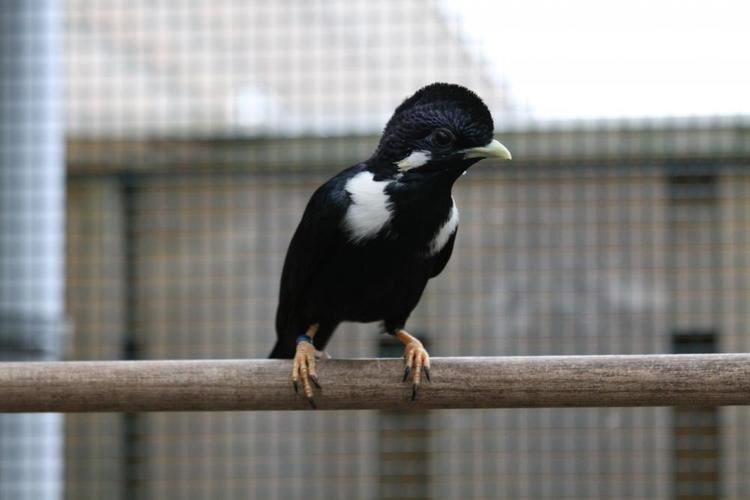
(444, 233)
(416, 219)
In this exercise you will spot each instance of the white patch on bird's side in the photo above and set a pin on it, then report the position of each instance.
(445, 232)
(370, 209)
(414, 160)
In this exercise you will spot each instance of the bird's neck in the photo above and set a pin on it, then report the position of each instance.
(420, 207)
(419, 200)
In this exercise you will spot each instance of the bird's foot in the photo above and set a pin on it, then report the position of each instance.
(322, 355)
(417, 362)
(303, 370)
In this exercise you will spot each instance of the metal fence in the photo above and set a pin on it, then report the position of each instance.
(636, 252)
(195, 133)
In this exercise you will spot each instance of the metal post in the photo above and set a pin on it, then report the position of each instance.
(31, 233)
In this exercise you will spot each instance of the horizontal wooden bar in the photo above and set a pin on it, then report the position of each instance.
(358, 384)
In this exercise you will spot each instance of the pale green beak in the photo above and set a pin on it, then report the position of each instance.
(494, 149)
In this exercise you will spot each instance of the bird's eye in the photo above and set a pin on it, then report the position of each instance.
(442, 137)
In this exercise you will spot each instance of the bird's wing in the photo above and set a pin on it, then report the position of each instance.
(442, 258)
(316, 234)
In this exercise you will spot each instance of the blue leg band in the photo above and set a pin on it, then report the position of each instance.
(304, 338)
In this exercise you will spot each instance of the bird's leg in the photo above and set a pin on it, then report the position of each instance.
(304, 364)
(416, 359)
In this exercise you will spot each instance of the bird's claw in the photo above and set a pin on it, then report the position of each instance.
(417, 362)
(303, 369)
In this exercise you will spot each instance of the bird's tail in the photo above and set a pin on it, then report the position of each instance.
(282, 350)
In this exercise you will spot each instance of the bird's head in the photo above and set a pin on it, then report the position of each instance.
(441, 128)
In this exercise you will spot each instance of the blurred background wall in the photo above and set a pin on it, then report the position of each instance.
(196, 131)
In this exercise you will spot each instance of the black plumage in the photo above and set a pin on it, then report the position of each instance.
(373, 235)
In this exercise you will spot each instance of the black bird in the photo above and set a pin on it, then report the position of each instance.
(373, 235)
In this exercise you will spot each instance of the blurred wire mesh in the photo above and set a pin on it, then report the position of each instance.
(195, 133)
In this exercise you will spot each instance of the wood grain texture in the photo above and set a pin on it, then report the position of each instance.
(478, 382)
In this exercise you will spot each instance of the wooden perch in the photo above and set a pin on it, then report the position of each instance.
(481, 382)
